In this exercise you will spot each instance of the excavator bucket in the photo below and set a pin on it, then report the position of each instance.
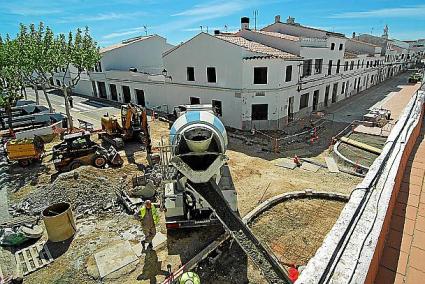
(114, 157)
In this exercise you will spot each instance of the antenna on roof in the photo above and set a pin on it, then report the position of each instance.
(255, 19)
(225, 28)
(146, 30)
(201, 28)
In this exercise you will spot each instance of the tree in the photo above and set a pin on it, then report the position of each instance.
(35, 48)
(73, 55)
(10, 79)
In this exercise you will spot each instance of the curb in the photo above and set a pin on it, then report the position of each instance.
(308, 193)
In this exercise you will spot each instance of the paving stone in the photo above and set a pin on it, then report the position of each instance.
(285, 163)
(114, 257)
(310, 167)
(332, 166)
(416, 259)
(414, 276)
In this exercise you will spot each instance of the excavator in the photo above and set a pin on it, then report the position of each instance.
(134, 126)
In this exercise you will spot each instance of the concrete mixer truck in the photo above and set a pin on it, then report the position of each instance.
(198, 142)
(200, 190)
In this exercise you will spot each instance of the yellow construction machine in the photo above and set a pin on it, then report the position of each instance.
(133, 126)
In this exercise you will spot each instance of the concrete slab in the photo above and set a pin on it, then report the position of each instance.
(285, 163)
(310, 167)
(332, 166)
(157, 242)
(114, 258)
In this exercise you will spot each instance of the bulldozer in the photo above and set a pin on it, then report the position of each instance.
(78, 149)
(134, 126)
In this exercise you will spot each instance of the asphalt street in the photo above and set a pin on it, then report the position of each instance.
(84, 109)
(358, 105)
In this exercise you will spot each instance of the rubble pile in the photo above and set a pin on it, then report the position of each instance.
(89, 191)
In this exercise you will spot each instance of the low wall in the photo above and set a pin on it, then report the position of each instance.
(352, 250)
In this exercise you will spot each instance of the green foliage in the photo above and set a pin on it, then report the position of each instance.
(10, 81)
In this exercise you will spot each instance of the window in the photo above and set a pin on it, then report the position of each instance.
(352, 65)
(102, 89)
(341, 46)
(190, 73)
(113, 89)
(363, 63)
(307, 67)
(343, 87)
(334, 92)
(304, 101)
(367, 64)
(358, 64)
(346, 66)
(260, 75)
(318, 66)
(330, 67)
(58, 83)
(288, 75)
(211, 77)
(332, 46)
(195, 101)
(259, 111)
(217, 107)
(127, 94)
(338, 64)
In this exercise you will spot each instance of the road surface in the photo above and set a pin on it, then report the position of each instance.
(85, 109)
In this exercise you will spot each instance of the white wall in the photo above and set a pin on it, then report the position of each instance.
(145, 55)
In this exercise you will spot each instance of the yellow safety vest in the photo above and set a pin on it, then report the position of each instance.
(155, 214)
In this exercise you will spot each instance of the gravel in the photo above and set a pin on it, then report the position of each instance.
(88, 190)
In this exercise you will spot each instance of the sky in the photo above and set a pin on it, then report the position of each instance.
(111, 21)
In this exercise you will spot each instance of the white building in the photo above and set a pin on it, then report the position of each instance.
(259, 79)
(122, 70)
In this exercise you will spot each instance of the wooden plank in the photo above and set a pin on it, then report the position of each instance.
(26, 261)
(361, 145)
(34, 254)
(332, 166)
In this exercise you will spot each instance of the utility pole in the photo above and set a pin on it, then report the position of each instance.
(146, 30)
(255, 19)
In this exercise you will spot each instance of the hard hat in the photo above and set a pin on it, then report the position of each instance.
(190, 278)
(148, 203)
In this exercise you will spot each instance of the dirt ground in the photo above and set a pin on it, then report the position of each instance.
(256, 179)
(295, 229)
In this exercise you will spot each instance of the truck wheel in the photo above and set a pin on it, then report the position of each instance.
(24, 163)
(99, 161)
(74, 165)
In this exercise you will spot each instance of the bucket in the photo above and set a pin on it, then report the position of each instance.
(59, 222)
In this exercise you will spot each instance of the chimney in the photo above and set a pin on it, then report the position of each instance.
(277, 19)
(216, 32)
(244, 23)
(354, 34)
(290, 20)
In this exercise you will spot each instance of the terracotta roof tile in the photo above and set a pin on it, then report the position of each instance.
(257, 47)
(349, 55)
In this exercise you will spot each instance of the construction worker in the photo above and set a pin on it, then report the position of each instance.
(190, 278)
(150, 217)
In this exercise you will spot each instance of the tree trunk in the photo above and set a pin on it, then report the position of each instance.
(47, 98)
(68, 112)
(24, 90)
(37, 97)
(9, 116)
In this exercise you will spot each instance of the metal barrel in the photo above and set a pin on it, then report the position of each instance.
(59, 222)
